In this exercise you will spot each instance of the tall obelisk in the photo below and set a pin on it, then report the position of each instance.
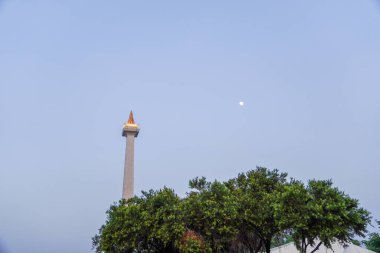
(130, 131)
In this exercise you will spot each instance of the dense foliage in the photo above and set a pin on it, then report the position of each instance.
(373, 242)
(320, 214)
(150, 223)
(250, 213)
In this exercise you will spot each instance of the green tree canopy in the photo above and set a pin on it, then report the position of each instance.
(256, 192)
(320, 214)
(373, 242)
(250, 213)
(150, 223)
(211, 210)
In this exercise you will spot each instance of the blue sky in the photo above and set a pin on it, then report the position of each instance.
(70, 72)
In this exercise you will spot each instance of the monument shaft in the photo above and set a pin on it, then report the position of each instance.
(128, 183)
(130, 131)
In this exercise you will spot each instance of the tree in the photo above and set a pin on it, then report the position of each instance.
(356, 242)
(250, 213)
(291, 209)
(122, 230)
(320, 214)
(192, 243)
(373, 242)
(151, 223)
(211, 210)
(256, 192)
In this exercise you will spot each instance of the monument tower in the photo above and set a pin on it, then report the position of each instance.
(130, 131)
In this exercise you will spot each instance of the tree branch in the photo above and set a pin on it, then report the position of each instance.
(316, 248)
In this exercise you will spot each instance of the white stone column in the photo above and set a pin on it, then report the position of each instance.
(130, 131)
(128, 184)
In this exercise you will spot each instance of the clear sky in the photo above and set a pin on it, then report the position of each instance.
(70, 72)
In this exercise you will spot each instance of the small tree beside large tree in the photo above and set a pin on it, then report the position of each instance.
(373, 242)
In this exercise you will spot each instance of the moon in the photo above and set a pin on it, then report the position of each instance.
(241, 103)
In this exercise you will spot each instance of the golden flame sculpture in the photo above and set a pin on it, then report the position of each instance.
(131, 121)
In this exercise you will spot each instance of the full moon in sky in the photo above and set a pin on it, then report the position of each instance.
(241, 103)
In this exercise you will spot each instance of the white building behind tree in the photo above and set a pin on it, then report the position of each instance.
(336, 248)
